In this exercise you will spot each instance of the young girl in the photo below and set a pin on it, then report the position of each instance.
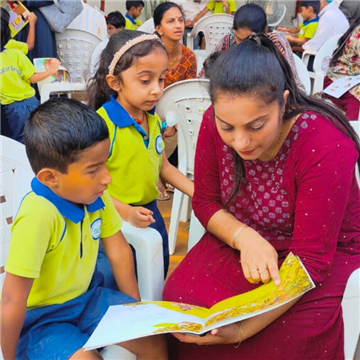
(16, 73)
(125, 89)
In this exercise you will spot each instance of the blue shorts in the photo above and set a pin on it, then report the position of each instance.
(15, 116)
(58, 331)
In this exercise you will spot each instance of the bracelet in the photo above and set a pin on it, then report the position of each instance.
(241, 335)
(237, 232)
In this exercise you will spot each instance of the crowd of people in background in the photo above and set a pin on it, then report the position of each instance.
(275, 172)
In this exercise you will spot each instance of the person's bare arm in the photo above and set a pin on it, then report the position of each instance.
(54, 67)
(174, 177)
(15, 293)
(30, 41)
(204, 11)
(121, 260)
(292, 30)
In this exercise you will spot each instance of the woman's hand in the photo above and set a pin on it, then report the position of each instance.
(228, 334)
(259, 259)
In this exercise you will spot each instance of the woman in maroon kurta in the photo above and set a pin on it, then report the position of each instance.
(298, 192)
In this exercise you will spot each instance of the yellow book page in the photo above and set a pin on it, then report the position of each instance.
(295, 281)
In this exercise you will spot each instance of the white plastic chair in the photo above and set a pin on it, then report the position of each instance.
(74, 49)
(280, 14)
(147, 26)
(321, 62)
(183, 103)
(303, 74)
(214, 28)
(16, 176)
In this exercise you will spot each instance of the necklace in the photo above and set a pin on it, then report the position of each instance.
(273, 153)
(171, 62)
(140, 121)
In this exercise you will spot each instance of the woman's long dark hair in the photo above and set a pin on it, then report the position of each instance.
(250, 16)
(342, 42)
(98, 90)
(256, 68)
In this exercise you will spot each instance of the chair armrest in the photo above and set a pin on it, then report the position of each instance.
(306, 56)
(47, 89)
(149, 257)
(190, 40)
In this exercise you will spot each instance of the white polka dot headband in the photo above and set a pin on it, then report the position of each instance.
(128, 46)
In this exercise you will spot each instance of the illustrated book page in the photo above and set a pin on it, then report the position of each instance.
(18, 15)
(340, 86)
(131, 321)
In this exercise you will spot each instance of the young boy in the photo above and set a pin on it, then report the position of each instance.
(133, 9)
(48, 308)
(306, 30)
(115, 22)
(216, 7)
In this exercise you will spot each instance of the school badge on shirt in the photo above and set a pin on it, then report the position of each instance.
(95, 229)
(158, 144)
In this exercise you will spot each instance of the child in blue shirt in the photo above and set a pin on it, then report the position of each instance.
(51, 302)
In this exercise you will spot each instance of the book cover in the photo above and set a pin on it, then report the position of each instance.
(62, 75)
(18, 15)
(130, 321)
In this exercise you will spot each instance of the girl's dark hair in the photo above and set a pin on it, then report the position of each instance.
(252, 17)
(5, 29)
(98, 90)
(256, 68)
(161, 9)
(342, 42)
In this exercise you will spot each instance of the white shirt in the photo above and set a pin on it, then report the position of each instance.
(332, 22)
(192, 8)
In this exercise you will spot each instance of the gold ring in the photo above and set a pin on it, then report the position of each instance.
(254, 270)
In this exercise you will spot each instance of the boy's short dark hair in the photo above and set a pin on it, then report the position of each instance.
(116, 19)
(314, 4)
(209, 62)
(130, 4)
(58, 130)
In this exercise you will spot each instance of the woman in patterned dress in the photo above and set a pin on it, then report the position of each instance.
(274, 173)
(346, 62)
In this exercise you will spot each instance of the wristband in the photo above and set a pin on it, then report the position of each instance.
(237, 232)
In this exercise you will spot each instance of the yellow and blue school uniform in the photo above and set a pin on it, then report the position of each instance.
(134, 162)
(57, 246)
(17, 97)
(308, 28)
(217, 7)
(131, 23)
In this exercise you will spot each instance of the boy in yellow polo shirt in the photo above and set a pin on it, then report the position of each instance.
(52, 297)
(133, 11)
(306, 30)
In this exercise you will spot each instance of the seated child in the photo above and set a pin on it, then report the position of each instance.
(48, 307)
(17, 97)
(115, 22)
(133, 11)
(216, 7)
(125, 89)
(306, 30)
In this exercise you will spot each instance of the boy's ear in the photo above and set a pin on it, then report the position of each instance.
(48, 177)
(113, 82)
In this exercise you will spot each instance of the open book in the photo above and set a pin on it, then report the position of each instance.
(18, 15)
(340, 86)
(131, 321)
(62, 75)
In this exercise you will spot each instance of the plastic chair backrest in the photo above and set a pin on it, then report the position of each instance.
(147, 26)
(16, 176)
(280, 14)
(214, 28)
(74, 49)
(303, 74)
(184, 103)
(323, 56)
